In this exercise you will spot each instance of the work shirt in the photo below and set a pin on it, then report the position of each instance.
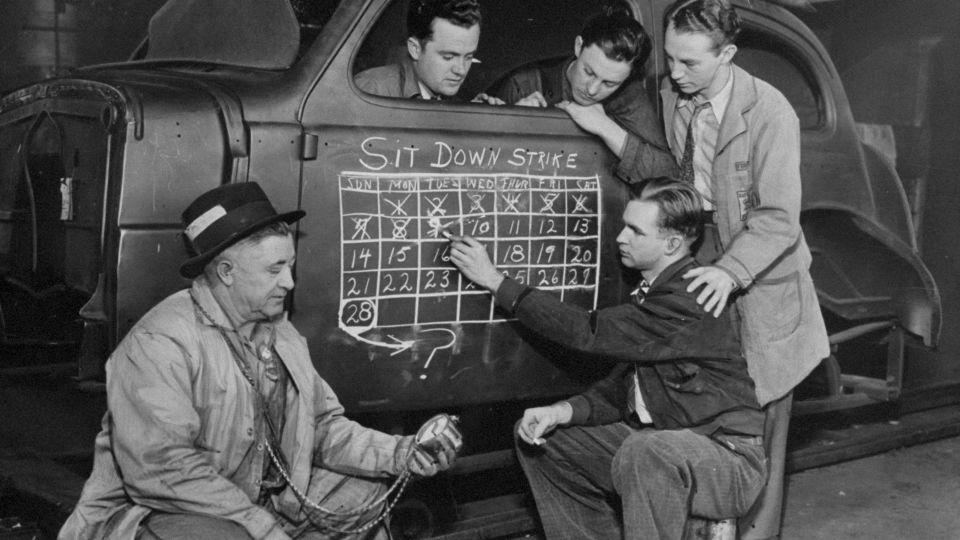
(181, 434)
(706, 127)
(397, 80)
(425, 92)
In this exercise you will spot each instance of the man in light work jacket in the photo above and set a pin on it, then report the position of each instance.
(218, 426)
(675, 429)
(737, 139)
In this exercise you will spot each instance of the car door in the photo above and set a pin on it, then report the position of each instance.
(390, 321)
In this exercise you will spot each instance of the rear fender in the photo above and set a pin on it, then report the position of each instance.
(864, 272)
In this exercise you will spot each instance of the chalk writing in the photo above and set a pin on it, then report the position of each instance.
(377, 153)
(543, 231)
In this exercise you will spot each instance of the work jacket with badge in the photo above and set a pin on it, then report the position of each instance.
(690, 368)
(181, 428)
(757, 192)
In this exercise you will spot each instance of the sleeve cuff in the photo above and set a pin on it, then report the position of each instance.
(260, 523)
(742, 279)
(581, 410)
(401, 453)
(511, 293)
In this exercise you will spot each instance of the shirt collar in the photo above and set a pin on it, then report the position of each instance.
(668, 272)
(426, 93)
(408, 78)
(639, 294)
(718, 103)
(722, 99)
(203, 296)
(566, 91)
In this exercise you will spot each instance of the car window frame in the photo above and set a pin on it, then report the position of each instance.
(372, 17)
(816, 68)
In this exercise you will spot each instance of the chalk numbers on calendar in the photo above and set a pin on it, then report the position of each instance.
(542, 231)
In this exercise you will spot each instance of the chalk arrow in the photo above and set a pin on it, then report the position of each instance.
(398, 345)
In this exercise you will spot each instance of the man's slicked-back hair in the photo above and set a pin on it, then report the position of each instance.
(421, 14)
(681, 208)
(715, 18)
(618, 35)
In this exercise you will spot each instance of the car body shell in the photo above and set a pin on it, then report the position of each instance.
(140, 140)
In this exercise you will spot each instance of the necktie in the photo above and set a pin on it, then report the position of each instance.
(641, 291)
(635, 402)
(686, 161)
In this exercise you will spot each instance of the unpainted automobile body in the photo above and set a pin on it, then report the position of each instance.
(96, 168)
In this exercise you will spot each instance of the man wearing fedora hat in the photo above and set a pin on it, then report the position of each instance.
(218, 426)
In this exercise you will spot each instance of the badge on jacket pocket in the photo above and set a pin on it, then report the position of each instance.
(749, 199)
(742, 166)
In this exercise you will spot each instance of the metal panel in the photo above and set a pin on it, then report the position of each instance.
(377, 301)
(157, 253)
(432, 349)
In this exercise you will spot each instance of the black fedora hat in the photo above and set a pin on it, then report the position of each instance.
(222, 217)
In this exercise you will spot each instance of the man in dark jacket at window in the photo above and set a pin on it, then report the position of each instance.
(601, 88)
(675, 429)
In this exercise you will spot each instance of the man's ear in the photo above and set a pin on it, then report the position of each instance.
(224, 269)
(674, 244)
(414, 49)
(577, 46)
(727, 53)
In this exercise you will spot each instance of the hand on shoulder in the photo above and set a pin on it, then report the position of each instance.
(717, 285)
